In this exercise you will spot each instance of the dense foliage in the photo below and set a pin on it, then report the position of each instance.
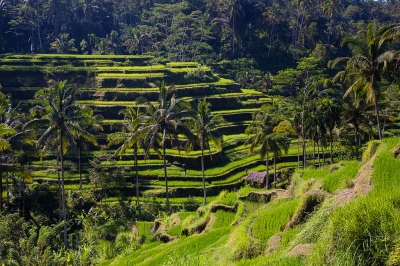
(267, 35)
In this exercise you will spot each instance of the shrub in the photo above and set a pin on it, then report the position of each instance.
(191, 204)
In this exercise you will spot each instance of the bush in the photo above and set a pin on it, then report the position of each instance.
(191, 204)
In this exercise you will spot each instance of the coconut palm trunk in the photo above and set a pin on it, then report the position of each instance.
(79, 162)
(165, 172)
(1, 192)
(7, 192)
(137, 175)
(202, 172)
(298, 151)
(274, 170)
(377, 115)
(64, 213)
(266, 172)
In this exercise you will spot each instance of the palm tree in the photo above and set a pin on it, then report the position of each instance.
(162, 121)
(82, 143)
(356, 114)
(262, 134)
(273, 14)
(5, 131)
(129, 138)
(329, 8)
(371, 56)
(61, 119)
(205, 124)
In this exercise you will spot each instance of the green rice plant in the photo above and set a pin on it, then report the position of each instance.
(177, 230)
(362, 232)
(288, 236)
(251, 92)
(109, 103)
(135, 75)
(78, 56)
(274, 218)
(316, 223)
(182, 64)
(225, 112)
(228, 199)
(340, 178)
(128, 68)
(372, 146)
(223, 219)
(158, 254)
(315, 173)
(144, 229)
(276, 259)
(144, 90)
(265, 99)
(188, 69)
(130, 162)
(223, 81)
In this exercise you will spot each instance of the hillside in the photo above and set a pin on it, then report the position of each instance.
(75, 197)
(109, 84)
(344, 214)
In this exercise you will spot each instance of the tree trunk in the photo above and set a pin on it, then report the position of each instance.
(331, 150)
(275, 170)
(270, 40)
(64, 212)
(202, 173)
(303, 135)
(165, 173)
(298, 151)
(137, 176)
(7, 192)
(1, 191)
(79, 162)
(319, 158)
(266, 173)
(313, 157)
(377, 115)
(323, 153)
(233, 35)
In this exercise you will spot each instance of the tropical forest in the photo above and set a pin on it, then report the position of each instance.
(199, 132)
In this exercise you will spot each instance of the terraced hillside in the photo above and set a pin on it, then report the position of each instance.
(108, 84)
(343, 214)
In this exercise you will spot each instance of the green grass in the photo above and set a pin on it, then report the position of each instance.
(340, 178)
(273, 260)
(225, 112)
(161, 253)
(182, 64)
(251, 92)
(75, 56)
(176, 230)
(189, 69)
(274, 218)
(223, 219)
(135, 75)
(144, 229)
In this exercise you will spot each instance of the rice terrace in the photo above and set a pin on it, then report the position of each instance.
(199, 132)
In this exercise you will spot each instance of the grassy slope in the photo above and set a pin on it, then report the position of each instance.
(361, 232)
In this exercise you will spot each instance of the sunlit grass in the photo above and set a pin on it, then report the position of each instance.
(274, 218)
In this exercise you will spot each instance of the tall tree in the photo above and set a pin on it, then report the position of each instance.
(129, 138)
(370, 60)
(262, 135)
(61, 118)
(273, 15)
(165, 120)
(205, 123)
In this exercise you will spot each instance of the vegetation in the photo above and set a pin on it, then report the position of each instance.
(254, 87)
